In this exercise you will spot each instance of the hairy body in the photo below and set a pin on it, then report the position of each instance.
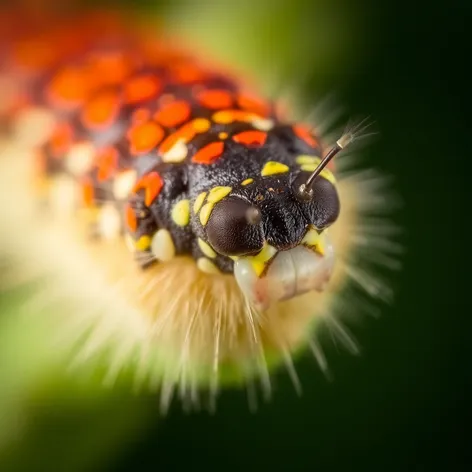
(172, 205)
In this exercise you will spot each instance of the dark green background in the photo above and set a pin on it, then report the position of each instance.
(401, 404)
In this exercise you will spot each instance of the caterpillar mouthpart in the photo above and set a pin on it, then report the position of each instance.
(289, 274)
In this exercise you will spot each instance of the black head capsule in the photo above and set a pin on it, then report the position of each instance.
(253, 216)
(321, 206)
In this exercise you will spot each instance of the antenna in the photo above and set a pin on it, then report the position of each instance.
(306, 189)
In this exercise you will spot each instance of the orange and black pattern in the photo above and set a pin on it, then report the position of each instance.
(163, 137)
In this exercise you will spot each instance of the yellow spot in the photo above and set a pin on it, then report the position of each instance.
(201, 125)
(325, 173)
(199, 202)
(320, 247)
(328, 175)
(218, 193)
(205, 265)
(177, 153)
(259, 261)
(223, 135)
(301, 160)
(272, 168)
(181, 213)
(311, 237)
(143, 243)
(308, 167)
(223, 117)
(247, 181)
(163, 246)
(205, 213)
(310, 163)
(206, 249)
(234, 258)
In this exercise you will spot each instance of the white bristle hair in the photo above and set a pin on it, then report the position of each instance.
(100, 317)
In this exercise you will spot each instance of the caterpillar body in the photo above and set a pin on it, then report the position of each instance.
(173, 206)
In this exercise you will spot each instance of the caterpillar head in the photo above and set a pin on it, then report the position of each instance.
(275, 231)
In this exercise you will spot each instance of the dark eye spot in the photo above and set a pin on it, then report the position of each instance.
(234, 228)
(323, 208)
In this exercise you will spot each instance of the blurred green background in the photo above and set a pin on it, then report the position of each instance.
(400, 405)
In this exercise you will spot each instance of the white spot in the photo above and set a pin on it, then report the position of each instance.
(177, 153)
(79, 159)
(123, 184)
(109, 222)
(263, 124)
(162, 246)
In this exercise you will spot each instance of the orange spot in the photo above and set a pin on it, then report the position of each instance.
(70, 87)
(185, 133)
(107, 163)
(88, 193)
(215, 99)
(131, 220)
(61, 140)
(209, 153)
(254, 105)
(101, 111)
(141, 88)
(140, 115)
(230, 116)
(112, 68)
(303, 133)
(222, 135)
(173, 114)
(144, 137)
(152, 184)
(251, 138)
(187, 73)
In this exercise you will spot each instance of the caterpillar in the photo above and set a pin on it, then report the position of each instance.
(201, 234)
